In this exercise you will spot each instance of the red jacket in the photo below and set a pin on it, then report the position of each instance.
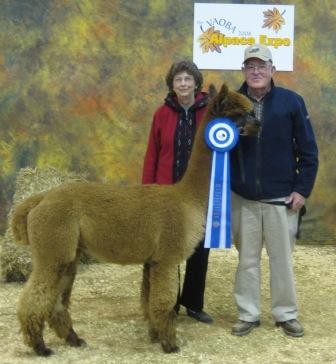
(159, 158)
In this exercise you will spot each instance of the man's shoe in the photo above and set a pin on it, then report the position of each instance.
(200, 316)
(241, 328)
(291, 327)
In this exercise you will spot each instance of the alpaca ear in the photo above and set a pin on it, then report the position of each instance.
(223, 96)
(212, 91)
(224, 90)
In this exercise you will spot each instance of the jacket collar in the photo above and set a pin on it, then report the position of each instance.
(243, 88)
(201, 100)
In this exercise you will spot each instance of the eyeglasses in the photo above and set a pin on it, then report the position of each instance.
(186, 79)
(262, 68)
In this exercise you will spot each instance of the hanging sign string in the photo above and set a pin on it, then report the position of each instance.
(221, 135)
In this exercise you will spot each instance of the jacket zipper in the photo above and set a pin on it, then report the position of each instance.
(241, 164)
(258, 163)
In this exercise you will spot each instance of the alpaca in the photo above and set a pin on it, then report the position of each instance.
(155, 225)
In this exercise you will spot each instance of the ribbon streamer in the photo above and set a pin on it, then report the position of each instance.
(221, 135)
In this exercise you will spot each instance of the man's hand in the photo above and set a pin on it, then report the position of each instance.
(295, 200)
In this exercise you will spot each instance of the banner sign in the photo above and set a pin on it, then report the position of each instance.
(223, 31)
(221, 135)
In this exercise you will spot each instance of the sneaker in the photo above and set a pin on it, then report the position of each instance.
(241, 328)
(291, 327)
(200, 316)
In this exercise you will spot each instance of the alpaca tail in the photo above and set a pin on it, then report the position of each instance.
(19, 218)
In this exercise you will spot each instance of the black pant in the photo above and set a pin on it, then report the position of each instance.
(194, 281)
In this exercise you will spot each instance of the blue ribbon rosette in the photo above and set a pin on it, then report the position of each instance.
(221, 135)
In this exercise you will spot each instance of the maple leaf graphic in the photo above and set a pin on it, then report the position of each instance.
(206, 44)
(273, 19)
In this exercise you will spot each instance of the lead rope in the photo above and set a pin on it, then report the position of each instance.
(177, 304)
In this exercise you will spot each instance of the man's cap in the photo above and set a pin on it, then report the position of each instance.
(258, 51)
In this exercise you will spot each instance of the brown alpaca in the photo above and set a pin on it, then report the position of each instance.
(154, 225)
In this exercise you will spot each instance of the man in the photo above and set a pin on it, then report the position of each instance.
(271, 177)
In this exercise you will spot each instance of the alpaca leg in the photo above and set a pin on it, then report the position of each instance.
(35, 306)
(162, 299)
(145, 290)
(60, 320)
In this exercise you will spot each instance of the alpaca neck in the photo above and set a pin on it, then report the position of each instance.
(196, 181)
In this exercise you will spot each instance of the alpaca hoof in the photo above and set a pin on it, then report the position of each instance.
(167, 348)
(153, 335)
(78, 343)
(74, 340)
(42, 350)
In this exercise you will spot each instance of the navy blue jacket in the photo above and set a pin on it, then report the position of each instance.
(283, 158)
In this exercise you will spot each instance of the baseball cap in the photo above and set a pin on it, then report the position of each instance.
(258, 51)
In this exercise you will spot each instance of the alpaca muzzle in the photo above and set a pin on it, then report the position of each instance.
(248, 125)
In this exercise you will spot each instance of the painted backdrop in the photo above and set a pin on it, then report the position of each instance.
(80, 79)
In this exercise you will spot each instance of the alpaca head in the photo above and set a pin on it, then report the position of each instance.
(235, 106)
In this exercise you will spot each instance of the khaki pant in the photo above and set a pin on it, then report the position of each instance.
(255, 223)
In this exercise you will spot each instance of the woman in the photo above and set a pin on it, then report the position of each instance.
(168, 151)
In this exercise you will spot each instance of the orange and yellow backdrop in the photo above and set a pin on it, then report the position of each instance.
(80, 80)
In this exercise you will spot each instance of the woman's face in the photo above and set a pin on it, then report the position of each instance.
(184, 85)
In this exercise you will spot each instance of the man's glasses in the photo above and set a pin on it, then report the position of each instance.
(262, 68)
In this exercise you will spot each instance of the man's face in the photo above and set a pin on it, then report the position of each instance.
(258, 73)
